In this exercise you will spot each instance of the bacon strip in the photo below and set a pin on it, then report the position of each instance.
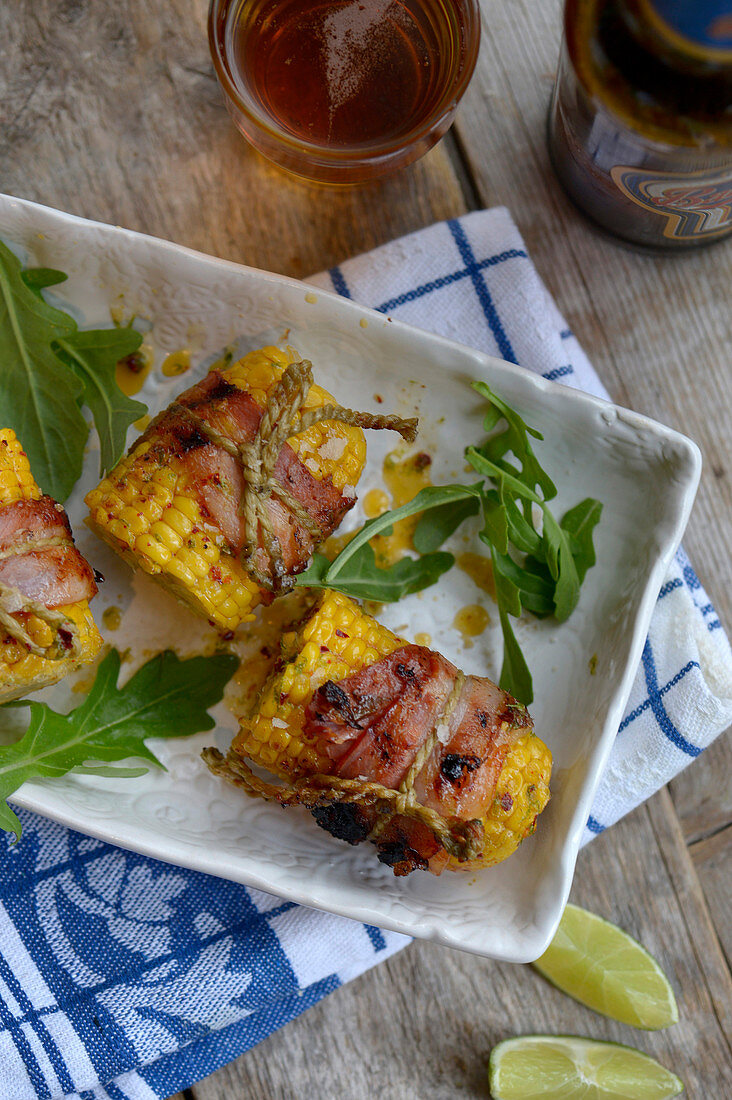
(217, 479)
(53, 575)
(373, 724)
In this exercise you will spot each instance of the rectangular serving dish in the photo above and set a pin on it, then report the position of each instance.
(645, 474)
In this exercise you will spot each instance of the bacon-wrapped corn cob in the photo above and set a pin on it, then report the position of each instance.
(46, 627)
(227, 493)
(389, 742)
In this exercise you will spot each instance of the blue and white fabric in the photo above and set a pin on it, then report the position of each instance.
(122, 978)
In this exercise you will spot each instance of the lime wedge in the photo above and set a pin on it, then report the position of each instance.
(567, 1067)
(604, 968)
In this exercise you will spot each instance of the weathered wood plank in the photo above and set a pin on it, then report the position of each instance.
(421, 1026)
(702, 794)
(713, 862)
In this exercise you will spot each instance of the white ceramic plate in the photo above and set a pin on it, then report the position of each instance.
(645, 475)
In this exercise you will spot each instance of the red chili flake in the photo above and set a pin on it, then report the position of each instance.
(422, 461)
(324, 649)
(215, 573)
(506, 802)
(340, 633)
(134, 362)
(283, 696)
(227, 636)
(378, 398)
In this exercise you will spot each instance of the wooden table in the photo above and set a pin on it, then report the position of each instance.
(111, 111)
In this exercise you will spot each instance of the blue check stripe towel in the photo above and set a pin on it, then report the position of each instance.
(122, 978)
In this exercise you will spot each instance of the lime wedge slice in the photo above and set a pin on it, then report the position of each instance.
(604, 968)
(567, 1067)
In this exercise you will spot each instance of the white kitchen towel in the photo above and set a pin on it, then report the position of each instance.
(122, 978)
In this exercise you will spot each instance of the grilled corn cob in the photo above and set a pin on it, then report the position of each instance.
(336, 640)
(22, 670)
(154, 510)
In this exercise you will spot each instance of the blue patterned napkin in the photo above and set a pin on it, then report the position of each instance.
(122, 978)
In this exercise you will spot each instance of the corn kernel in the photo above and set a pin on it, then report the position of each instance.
(188, 506)
(522, 788)
(166, 535)
(21, 671)
(142, 496)
(179, 522)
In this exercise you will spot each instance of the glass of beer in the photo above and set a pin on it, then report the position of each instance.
(343, 91)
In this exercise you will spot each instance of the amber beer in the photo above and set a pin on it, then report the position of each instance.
(640, 126)
(343, 90)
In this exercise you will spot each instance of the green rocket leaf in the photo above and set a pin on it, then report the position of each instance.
(93, 356)
(167, 697)
(39, 395)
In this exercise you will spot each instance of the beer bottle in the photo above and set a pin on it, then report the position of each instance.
(640, 126)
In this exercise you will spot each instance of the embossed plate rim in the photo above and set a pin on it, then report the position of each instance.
(517, 944)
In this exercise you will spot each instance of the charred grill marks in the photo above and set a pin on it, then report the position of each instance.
(343, 820)
(189, 437)
(454, 766)
(219, 391)
(398, 855)
(336, 698)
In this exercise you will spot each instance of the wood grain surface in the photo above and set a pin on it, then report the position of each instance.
(109, 109)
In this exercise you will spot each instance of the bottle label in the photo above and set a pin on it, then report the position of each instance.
(702, 26)
(694, 204)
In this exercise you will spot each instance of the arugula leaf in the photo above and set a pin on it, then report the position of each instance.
(432, 497)
(515, 439)
(364, 580)
(579, 523)
(438, 523)
(562, 568)
(36, 278)
(93, 356)
(39, 396)
(495, 521)
(536, 591)
(538, 564)
(515, 677)
(167, 697)
(506, 481)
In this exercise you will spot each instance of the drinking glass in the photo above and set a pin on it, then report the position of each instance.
(343, 91)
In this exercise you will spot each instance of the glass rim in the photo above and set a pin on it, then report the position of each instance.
(344, 154)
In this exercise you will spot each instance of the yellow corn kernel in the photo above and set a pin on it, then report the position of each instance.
(16, 479)
(522, 792)
(188, 507)
(153, 552)
(167, 535)
(134, 520)
(318, 650)
(148, 511)
(178, 520)
(20, 671)
(335, 641)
